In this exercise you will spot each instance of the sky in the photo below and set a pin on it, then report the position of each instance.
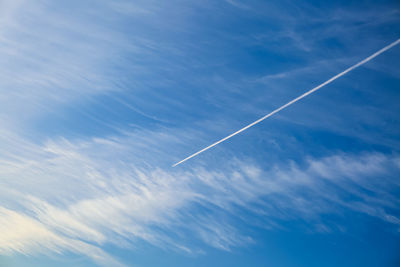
(100, 98)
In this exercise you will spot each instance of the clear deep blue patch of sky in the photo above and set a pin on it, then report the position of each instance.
(212, 67)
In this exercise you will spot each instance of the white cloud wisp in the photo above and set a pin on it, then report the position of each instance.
(62, 195)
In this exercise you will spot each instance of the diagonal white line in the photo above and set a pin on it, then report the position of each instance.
(294, 100)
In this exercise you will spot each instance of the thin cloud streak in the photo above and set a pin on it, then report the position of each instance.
(294, 100)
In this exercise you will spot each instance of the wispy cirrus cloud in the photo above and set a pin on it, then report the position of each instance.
(26, 235)
(56, 58)
(68, 191)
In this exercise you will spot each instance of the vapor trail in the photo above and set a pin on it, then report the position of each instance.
(294, 100)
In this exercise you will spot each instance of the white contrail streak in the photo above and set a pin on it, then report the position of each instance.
(294, 100)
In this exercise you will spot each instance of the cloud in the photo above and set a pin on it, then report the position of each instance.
(304, 27)
(82, 194)
(237, 4)
(25, 235)
(60, 56)
(47, 65)
(64, 193)
(7, 9)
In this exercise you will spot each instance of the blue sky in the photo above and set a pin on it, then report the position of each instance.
(100, 98)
